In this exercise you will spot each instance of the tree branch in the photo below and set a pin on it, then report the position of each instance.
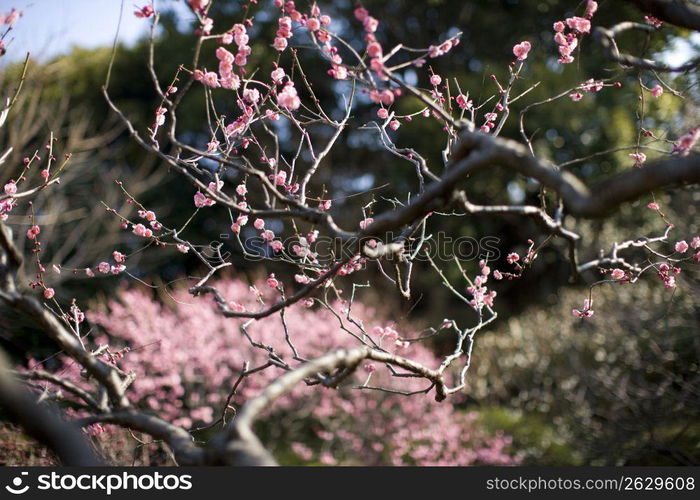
(43, 424)
(679, 13)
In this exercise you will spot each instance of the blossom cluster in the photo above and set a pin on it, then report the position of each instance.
(185, 377)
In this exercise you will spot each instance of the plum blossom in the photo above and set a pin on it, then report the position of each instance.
(251, 95)
(277, 75)
(33, 232)
(272, 282)
(681, 246)
(617, 274)
(686, 143)
(201, 200)
(521, 50)
(288, 97)
(579, 24)
(211, 79)
(586, 312)
(463, 102)
(143, 231)
(639, 158)
(144, 12)
(591, 9)
(657, 90)
(280, 44)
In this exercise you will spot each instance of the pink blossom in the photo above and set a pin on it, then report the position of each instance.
(143, 231)
(559, 26)
(259, 224)
(657, 90)
(313, 24)
(280, 44)
(207, 25)
(576, 96)
(382, 113)
(592, 85)
(687, 142)
(586, 312)
(394, 124)
(338, 72)
(289, 98)
(579, 24)
(374, 50)
(118, 256)
(512, 258)
(251, 95)
(103, 267)
(212, 146)
(370, 24)
(200, 200)
(681, 246)
(591, 9)
(277, 75)
(656, 23)
(182, 248)
(230, 81)
(33, 232)
(224, 55)
(144, 12)
(618, 274)
(361, 14)
(241, 190)
(301, 278)
(695, 243)
(211, 79)
(639, 158)
(463, 101)
(49, 293)
(521, 50)
(198, 5)
(272, 281)
(10, 188)
(653, 206)
(119, 268)
(376, 64)
(435, 80)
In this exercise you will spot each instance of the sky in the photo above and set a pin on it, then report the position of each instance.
(51, 27)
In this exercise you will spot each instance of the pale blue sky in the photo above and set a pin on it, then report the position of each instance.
(52, 27)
